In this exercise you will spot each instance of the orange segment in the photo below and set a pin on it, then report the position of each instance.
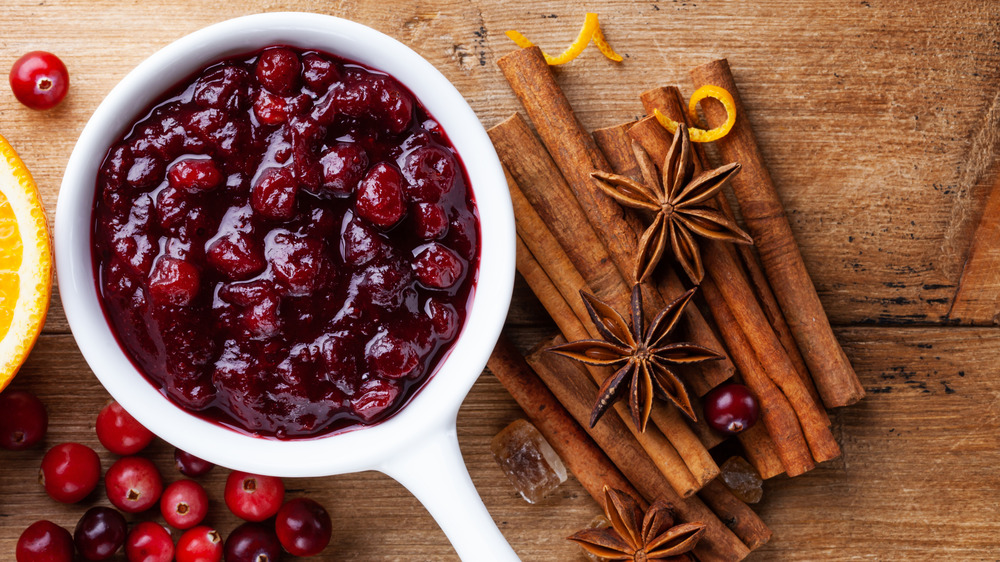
(25, 263)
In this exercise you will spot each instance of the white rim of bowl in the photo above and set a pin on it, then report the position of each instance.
(436, 404)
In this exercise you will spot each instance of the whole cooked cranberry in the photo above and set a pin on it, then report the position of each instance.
(384, 283)
(184, 504)
(275, 110)
(174, 281)
(297, 261)
(393, 105)
(190, 465)
(69, 472)
(200, 544)
(430, 221)
(438, 266)
(303, 527)
(278, 70)
(380, 196)
(223, 88)
(374, 398)
(236, 256)
(133, 484)
(253, 497)
(344, 164)
(195, 175)
(23, 420)
(146, 172)
(119, 432)
(318, 73)
(273, 196)
(430, 172)
(39, 80)
(253, 542)
(44, 541)
(731, 408)
(444, 318)
(100, 533)
(360, 242)
(149, 542)
(392, 357)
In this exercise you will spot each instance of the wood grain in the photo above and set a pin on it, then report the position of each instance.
(878, 122)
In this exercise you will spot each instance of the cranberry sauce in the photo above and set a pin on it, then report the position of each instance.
(286, 244)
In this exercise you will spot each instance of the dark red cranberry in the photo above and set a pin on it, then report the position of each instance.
(392, 357)
(39, 80)
(278, 70)
(430, 172)
(253, 497)
(297, 261)
(361, 243)
(383, 283)
(253, 542)
(393, 105)
(731, 408)
(236, 256)
(273, 196)
(274, 110)
(318, 73)
(119, 432)
(23, 420)
(374, 398)
(303, 527)
(344, 164)
(184, 504)
(100, 533)
(149, 542)
(430, 221)
(69, 472)
(133, 484)
(195, 175)
(174, 206)
(224, 88)
(190, 465)
(44, 541)
(200, 544)
(380, 196)
(444, 318)
(174, 281)
(438, 266)
(146, 172)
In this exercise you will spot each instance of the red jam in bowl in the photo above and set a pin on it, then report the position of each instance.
(286, 244)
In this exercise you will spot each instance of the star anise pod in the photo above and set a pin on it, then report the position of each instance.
(643, 354)
(638, 537)
(679, 203)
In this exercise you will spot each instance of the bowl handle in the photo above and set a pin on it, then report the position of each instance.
(433, 470)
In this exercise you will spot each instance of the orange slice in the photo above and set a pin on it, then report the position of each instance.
(25, 263)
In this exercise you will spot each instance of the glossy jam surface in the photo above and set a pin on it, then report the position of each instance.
(286, 244)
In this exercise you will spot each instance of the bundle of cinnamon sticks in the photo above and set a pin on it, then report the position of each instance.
(762, 308)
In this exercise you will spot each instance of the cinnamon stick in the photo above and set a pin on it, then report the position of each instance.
(592, 468)
(765, 218)
(735, 514)
(760, 451)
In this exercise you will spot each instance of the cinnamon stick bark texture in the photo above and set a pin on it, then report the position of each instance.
(760, 451)
(592, 468)
(736, 515)
(765, 218)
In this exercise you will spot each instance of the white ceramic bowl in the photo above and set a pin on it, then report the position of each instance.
(418, 445)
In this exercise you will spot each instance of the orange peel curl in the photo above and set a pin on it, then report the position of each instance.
(591, 31)
(702, 135)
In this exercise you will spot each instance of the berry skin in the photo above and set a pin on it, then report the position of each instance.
(373, 398)
(23, 420)
(236, 256)
(119, 432)
(133, 484)
(344, 165)
(380, 196)
(438, 267)
(100, 533)
(430, 220)
(303, 527)
(195, 175)
(731, 408)
(39, 80)
(253, 542)
(278, 70)
(149, 542)
(273, 196)
(318, 73)
(70, 472)
(174, 281)
(200, 544)
(184, 504)
(190, 465)
(252, 497)
(44, 541)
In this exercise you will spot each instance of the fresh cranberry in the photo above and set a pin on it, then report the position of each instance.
(731, 408)
(149, 542)
(195, 175)
(119, 432)
(39, 80)
(344, 164)
(374, 398)
(200, 544)
(224, 88)
(278, 70)
(174, 281)
(392, 357)
(253, 542)
(44, 541)
(100, 533)
(430, 221)
(190, 465)
(70, 472)
(273, 196)
(253, 497)
(438, 266)
(184, 504)
(318, 73)
(430, 173)
(133, 484)
(303, 527)
(297, 261)
(380, 196)
(23, 420)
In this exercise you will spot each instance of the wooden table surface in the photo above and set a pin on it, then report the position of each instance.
(880, 121)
